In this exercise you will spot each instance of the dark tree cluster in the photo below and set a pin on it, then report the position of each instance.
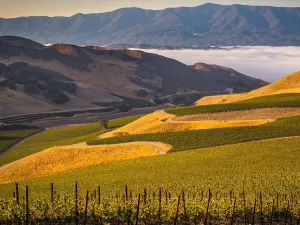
(142, 93)
(38, 81)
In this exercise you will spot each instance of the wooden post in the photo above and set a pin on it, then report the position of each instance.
(166, 193)
(76, 203)
(254, 211)
(145, 196)
(261, 209)
(17, 194)
(184, 206)
(145, 203)
(245, 208)
(138, 210)
(27, 206)
(298, 220)
(159, 206)
(86, 207)
(233, 212)
(52, 192)
(287, 211)
(272, 211)
(99, 195)
(207, 208)
(177, 211)
(126, 194)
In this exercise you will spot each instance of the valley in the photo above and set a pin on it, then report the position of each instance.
(119, 143)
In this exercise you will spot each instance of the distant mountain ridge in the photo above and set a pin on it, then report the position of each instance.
(206, 25)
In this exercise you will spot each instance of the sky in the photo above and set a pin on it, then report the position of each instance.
(256, 62)
(18, 8)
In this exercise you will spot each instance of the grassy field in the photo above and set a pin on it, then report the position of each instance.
(188, 140)
(269, 166)
(122, 121)
(59, 136)
(68, 158)
(8, 138)
(282, 100)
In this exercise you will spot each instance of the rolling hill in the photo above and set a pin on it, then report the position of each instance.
(35, 78)
(289, 84)
(208, 24)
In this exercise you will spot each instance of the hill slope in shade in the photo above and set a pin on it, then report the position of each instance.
(77, 77)
(208, 24)
(288, 84)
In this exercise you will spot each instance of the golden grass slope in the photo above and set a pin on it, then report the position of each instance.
(63, 159)
(288, 84)
(160, 122)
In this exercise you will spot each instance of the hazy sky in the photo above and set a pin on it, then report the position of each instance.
(17, 8)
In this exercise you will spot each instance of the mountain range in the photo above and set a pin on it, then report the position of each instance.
(37, 78)
(206, 25)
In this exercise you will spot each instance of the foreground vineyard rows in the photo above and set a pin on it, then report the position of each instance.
(148, 207)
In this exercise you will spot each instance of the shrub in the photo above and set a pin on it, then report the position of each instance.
(142, 93)
(59, 98)
(11, 85)
(124, 108)
(158, 101)
(180, 106)
(104, 124)
(2, 69)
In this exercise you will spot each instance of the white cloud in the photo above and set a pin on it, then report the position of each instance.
(267, 63)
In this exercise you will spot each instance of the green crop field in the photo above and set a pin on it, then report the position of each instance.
(58, 136)
(282, 100)
(188, 140)
(269, 166)
(122, 121)
(10, 137)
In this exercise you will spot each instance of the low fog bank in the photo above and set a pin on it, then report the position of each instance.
(266, 63)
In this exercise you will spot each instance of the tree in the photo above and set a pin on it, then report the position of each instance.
(11, 85)
(104, 124)
(142, 93)
(158, 101)
(2, 69)
(124, 108)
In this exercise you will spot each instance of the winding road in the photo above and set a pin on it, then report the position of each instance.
(20, 142)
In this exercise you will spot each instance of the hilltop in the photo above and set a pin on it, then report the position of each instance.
(36, 78)
(206, 25)
(288, 84)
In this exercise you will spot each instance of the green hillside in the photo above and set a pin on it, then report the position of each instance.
(188, 140)
(282, 100)
(274, 168)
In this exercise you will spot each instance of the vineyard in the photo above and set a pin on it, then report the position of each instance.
(158, 206)
(187, 140)
(281, 100)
